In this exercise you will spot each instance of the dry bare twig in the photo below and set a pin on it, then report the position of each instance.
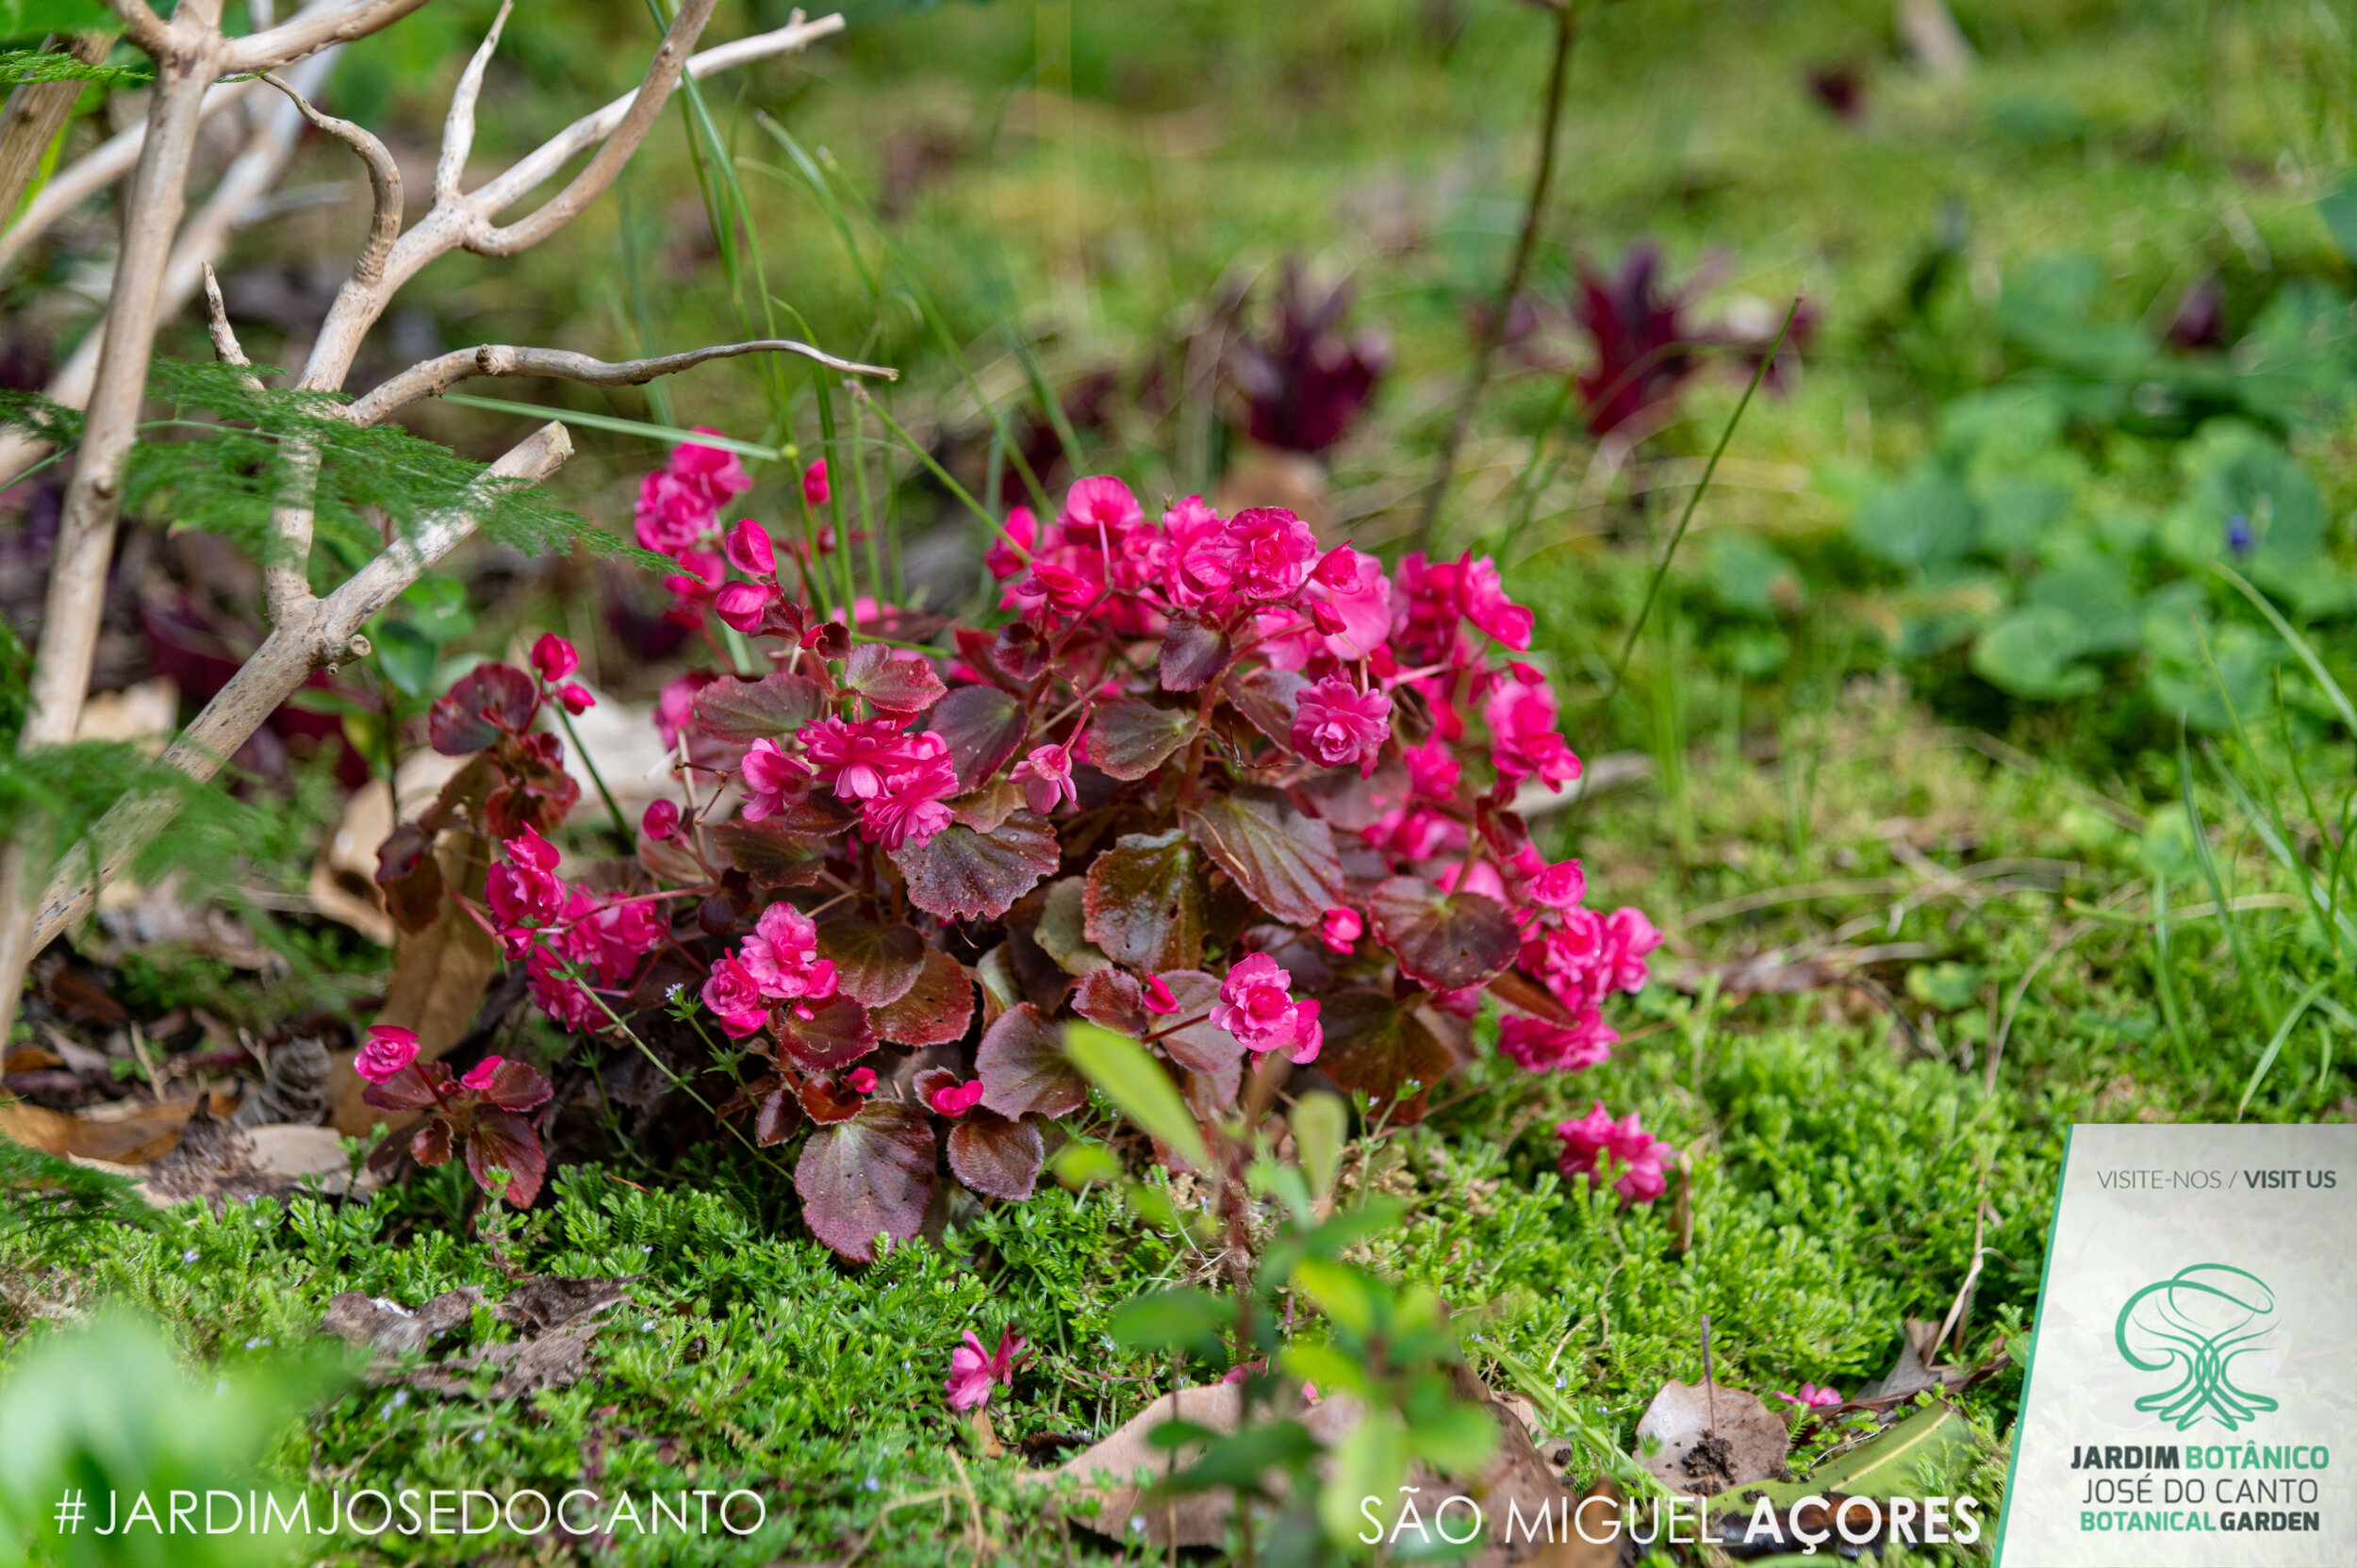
(307, 633)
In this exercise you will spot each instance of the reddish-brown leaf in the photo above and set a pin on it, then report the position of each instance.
(410, 877)
(996, 1156)
(777, 1115)
(1130, 737)
(1445, 941)
(868, 1177)
(932, 1012)
(1194, 651)
(836, 1034)
(771, 854)
(1283, 858)
(1516, 989)
(1145, 902)
(895, 679)
(1114, 998)
(964, 875)
(873, 963)
(501, 1140)
(1268, 697)
(1023, 1067)
(829, 1102)
(489, 700)
(983, 726)
(744, 711)
(1199, 1045)
(1375, 1044)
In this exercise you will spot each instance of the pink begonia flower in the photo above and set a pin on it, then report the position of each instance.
(772, 778)
(1350, 585)
(743, 605)
(553, 657)
(1006, 556)
(1060, 587)
(956, 1099)
(973, 1370)
(693, 589)
(1335, 723)
(1426, 614)
(1811, 1397)
(749, 550)
(670, 515)
(1433, 770)
(1256, 1006)
(1045, 776)
(814, 488)
(525, 893)
(1264, 553)
(1583, 956)
(854, 757)
(1483, 598)
(1158, 998)
(675, 706)
(1341, 929)
(1417, 834)
(734, 993)
(609, 935)
(1629, 936)
(714, 472)
(479, 1077)
(1520, 702)
(1099, 512)
(1542, 1047)
(910, 808)
(1480, 876)
(660, 822)
(386, 1053)
(1543, 753)
(862, 1080)
(558, 995)
(1596, 1139)
(1560, 885)
(783, 956)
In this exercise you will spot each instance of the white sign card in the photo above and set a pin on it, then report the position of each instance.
(2192, 1393)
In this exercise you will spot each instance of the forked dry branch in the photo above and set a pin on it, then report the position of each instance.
(162, 263)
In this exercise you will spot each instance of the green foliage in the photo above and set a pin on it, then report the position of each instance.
(21, 66)
(105, 1411)
(32, 18)
(227, 481)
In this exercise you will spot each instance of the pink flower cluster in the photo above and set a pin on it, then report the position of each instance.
(779, 962)
(679, 515)
(1596, 1147)
(551, 923)
(1582, 957)
(975, 1373)
(897, 779)
(1257, 1006)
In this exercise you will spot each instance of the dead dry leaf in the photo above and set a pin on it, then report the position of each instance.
(220, 1162)
(440, 975)
(121, 1134)
(556, 1319)
(1711, 1437)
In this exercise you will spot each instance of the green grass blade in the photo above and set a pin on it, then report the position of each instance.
(2275, 1046)
(2300, 644)
(668, 433)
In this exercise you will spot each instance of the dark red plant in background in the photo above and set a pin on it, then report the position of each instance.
(1304, 380)
(1646, 345)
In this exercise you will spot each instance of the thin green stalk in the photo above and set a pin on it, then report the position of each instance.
(2245, 974)
(1661, 569)
(621, 824)
(2165, 974)
(2307, 797)
(866, 507)
(2275, 1046)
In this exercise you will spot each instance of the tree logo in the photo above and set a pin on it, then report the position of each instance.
(2196, 1322)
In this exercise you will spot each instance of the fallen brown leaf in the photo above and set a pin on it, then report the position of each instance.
(1710, 1438)
(440, 975)
(132, 1135)
(556, 1319)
